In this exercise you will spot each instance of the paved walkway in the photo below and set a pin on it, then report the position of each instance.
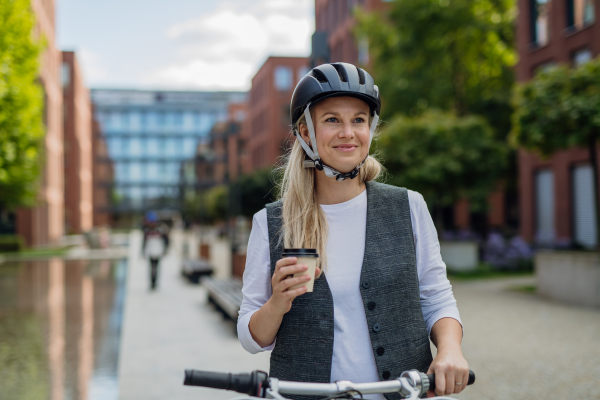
(525, 348)
(173, 328)
(521, 347)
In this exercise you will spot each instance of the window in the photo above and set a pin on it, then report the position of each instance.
(189, 146)
(544, 207)
(135, 172)
(584, 212)
(582, 56)
(114, 147)
(170, 147)
(283, 78)
(152, 171)
(580, 13)
(540, 21)
(363, 51)
(125, 121)
(135, 148)
(302, 71)
(65, 75)
(152, 146)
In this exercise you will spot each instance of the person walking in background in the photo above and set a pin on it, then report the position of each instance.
(156, 241)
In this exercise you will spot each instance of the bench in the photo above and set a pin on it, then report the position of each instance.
(194, 269)
(225, 294)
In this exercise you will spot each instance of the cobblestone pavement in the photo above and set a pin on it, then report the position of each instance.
(522, 347)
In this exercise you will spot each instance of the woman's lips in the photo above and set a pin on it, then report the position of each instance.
(345, 148)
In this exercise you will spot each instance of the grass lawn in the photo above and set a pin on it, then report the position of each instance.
(45, 252)
(485, 271)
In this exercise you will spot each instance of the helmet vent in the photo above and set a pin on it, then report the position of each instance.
(361, 76)
(341, 72)
(319, 75)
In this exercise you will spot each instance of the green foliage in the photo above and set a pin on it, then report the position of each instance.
(21, 105)
(11, 243)
(446, 54)
(557, 109)
(216, 202)
(442, 156)
(256, 190)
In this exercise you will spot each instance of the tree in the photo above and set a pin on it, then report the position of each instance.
(451, 55)
(558, 109)
(256, 190)
(21, 105)
(444, 157)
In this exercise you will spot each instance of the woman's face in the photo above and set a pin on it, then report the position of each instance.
(342, 131)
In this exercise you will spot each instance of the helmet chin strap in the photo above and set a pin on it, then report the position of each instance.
(313, 153)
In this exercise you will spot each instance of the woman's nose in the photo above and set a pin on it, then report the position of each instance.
(346, 131)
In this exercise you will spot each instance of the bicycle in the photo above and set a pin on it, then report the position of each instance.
(411, 385)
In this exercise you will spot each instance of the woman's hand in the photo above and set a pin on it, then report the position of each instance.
(265, 323)
(449, 366)
(282, 280)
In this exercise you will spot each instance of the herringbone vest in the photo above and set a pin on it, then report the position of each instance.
(389, 286)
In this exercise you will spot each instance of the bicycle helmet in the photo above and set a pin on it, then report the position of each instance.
(331, 80)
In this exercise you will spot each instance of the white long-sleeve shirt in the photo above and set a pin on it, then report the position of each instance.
(353, 357)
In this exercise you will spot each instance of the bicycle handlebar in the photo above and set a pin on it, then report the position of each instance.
(432, 380)
(256, 383)
(252, 384)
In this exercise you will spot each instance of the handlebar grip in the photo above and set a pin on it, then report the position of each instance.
(252, 384)
(432, 380)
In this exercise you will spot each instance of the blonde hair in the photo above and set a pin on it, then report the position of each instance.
(304, 222)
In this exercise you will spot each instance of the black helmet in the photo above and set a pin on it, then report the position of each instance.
(337, 79)
(330, 80)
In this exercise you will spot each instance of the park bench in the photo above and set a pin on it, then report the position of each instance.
(225, 294)
(194, 269)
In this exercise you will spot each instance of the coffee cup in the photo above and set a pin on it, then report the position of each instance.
(307, 257)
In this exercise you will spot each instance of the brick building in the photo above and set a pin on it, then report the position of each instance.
(44, 223)
(556, 200)
(102, 177)
(269, 109)
(224, 157)
(333, 40)
(78, 159)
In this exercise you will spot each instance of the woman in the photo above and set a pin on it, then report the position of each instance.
(383, 291)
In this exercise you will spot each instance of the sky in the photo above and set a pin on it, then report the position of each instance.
(181, 44)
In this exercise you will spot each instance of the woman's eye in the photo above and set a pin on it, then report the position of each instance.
(359, 120)
(331, 119)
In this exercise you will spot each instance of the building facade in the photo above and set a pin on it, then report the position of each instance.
(44, 223)
(334, 40)
(102, 178)
(556, 200)
(269, 109)
(77, 125)
(150, 135)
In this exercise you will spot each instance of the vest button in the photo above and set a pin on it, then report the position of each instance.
(386, 375)
(366, 285)
(380, 351)
(376, 328)
(371, 305)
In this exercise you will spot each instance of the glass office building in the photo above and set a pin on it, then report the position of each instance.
(150, 135)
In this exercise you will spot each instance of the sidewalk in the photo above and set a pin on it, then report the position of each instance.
(173, 328)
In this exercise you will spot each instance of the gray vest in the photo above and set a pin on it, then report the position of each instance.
(389, 286)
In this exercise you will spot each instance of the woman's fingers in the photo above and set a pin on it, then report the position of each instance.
(440, 384)
(284, 272)
(289, 282)
(450, 382)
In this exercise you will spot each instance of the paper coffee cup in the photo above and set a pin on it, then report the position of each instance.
(307, 257)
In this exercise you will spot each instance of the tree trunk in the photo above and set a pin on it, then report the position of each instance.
(594, 161)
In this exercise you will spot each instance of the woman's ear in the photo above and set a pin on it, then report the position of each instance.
(303, 129)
